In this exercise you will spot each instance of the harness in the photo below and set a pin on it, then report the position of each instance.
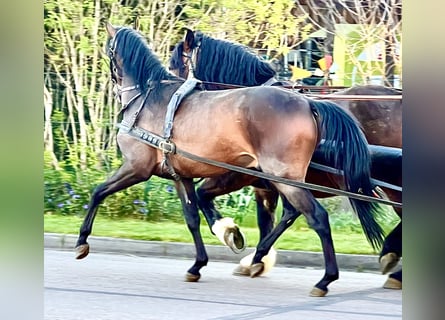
(168, 147)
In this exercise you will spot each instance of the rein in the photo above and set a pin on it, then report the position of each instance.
(168, 147)
(328, 169)
(157, 141)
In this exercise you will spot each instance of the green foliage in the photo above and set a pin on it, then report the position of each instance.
(131, 228)
(257, 23)
(238, 204)
(67, 192)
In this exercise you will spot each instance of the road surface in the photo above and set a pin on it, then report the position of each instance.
(113, 286)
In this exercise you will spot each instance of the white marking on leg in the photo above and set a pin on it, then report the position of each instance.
(220, 226)
(269, 260)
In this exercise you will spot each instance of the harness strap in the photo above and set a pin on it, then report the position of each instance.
(125, 106)
(155, 141)
(166, 145)
(175, 100)
(377, 182)
(125, 125)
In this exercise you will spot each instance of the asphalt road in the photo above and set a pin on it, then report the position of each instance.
(116, 286)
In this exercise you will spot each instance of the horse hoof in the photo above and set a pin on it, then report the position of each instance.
(256, 269)
(388, 262)
(189, 277)
(241, 271)
(392, 283)
(235, 239)
(317, 292)
(82, 251)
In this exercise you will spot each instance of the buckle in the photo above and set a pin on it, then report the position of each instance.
(167, 147)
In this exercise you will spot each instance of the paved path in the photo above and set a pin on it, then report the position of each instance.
(118, 286)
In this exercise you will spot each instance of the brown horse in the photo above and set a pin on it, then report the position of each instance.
(218, 63)
(264, 128)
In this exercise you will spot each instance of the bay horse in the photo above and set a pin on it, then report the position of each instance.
(268, 129)
(218, 63)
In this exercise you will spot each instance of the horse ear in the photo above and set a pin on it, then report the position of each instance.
(189, 39)
(110, 29)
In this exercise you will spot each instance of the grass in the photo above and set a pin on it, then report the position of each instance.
(298, 237)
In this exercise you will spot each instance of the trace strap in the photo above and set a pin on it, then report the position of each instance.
(380, 183)
(156, 141)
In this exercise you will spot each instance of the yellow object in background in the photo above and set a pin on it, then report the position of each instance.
(298, 73)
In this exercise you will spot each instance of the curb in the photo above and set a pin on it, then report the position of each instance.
(67, 242)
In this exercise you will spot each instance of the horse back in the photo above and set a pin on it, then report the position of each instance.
(242, 126)
(381, 120)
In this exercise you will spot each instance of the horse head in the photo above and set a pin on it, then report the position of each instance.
(185, 54)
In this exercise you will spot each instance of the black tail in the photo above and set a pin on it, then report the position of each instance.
(345, 146)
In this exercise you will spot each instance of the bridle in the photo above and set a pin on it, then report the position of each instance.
(190, 60)
(116, 73)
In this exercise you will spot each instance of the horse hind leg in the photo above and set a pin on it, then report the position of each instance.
(124, 177)
(319, 221)
(296, 201)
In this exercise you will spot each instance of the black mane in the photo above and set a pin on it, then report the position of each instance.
(225, 62)
(138, 60)
(230, 63)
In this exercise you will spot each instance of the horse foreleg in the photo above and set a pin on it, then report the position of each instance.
(225, 229)
(264, 247)
(125, 177)
(186, 193)
(266, 203)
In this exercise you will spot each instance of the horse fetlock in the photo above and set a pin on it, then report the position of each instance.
(331, 277)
